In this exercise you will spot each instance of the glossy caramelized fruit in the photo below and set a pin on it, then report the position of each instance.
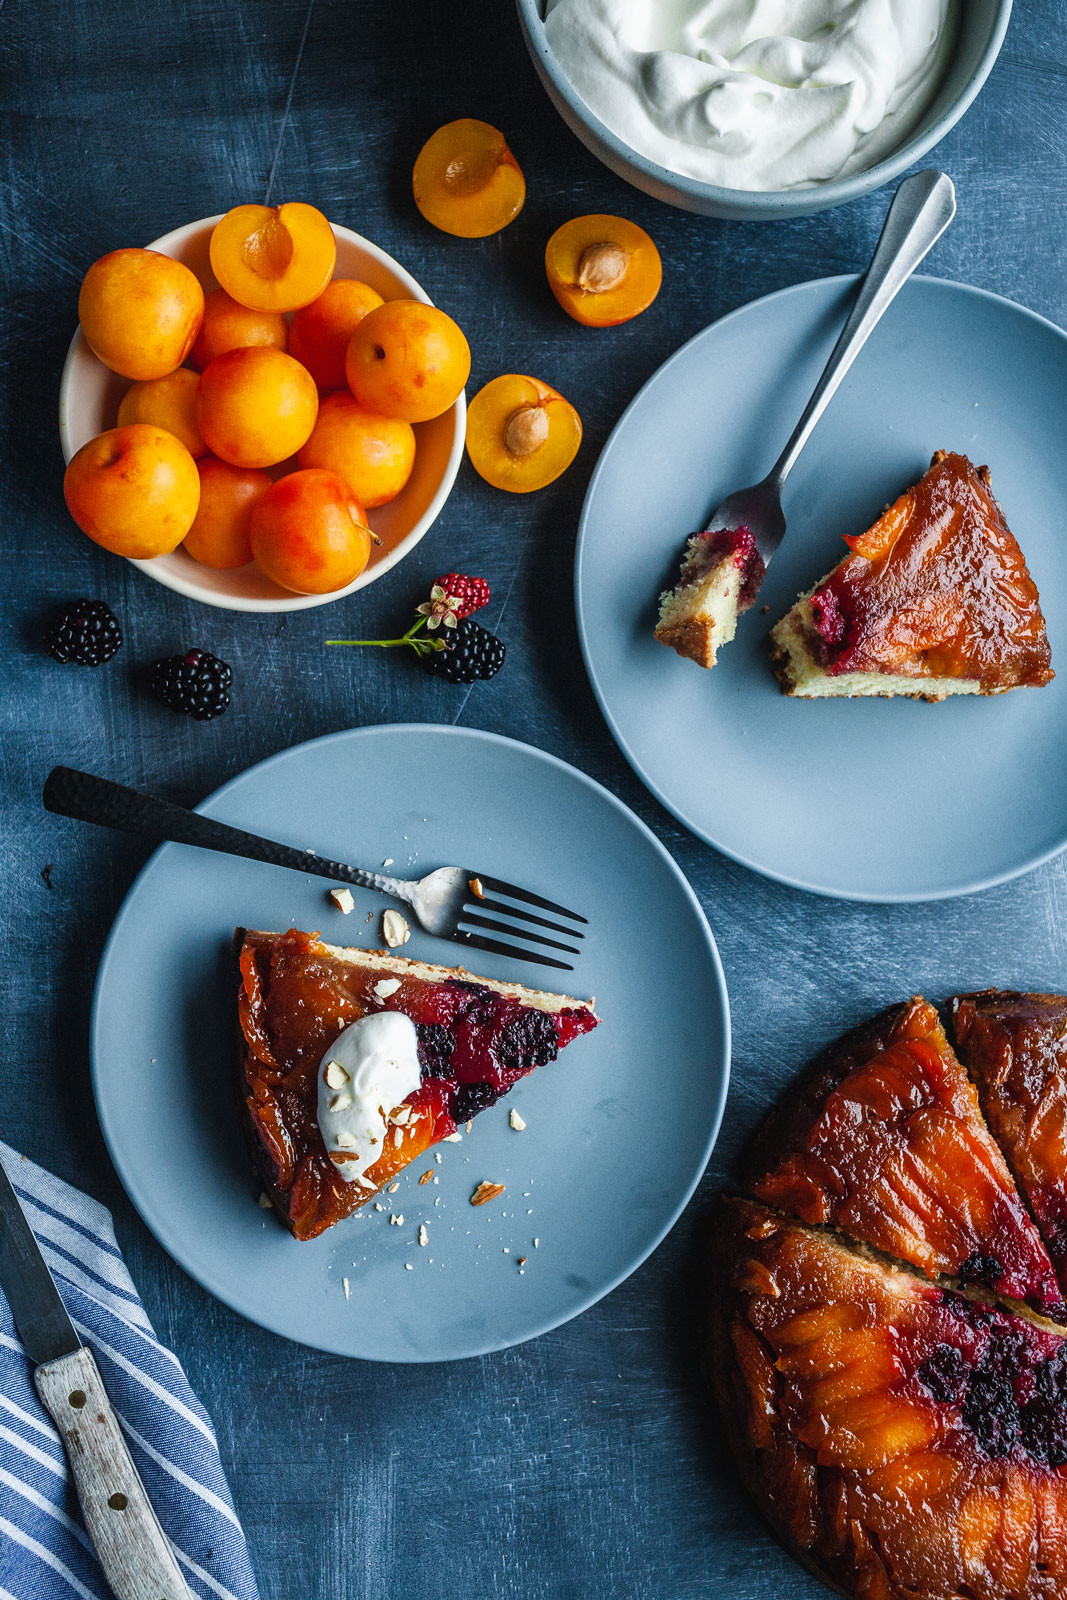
(1015, 1048)
(476, 1038)
(885, 1140)
(935, 599)
(905, 1440)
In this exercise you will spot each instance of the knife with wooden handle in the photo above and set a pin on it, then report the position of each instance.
(130, 1545)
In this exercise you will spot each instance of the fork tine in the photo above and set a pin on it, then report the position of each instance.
(499, 909)
(477, 921)
(497, 949)
(514, 893)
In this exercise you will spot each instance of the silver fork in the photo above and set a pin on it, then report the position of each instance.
(450, 902)
(922, 209)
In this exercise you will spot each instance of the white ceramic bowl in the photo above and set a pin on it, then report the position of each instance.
(89, 396)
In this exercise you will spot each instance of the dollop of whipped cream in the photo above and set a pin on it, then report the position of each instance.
(755, 94)
(368, 1071)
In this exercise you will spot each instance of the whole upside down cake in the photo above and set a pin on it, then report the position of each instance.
(887, 1329)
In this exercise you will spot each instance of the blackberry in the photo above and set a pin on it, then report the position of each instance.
(944, 1373)
(472, 593)
(472, 652)
(528, 1041)
(196, 683)
(85, 632)
(986, 1270)
(435, 1045)
(470, 1098)
(991, 1412)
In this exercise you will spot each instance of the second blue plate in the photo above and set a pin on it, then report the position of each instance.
(888, 800)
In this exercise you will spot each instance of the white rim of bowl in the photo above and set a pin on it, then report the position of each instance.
(788, 202)
(166, 245)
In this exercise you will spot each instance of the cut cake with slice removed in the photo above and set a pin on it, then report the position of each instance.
(1014, 1046)
(906, 1442)
(295, 995)
(720, 574)
(935, 599)
(884, 1139)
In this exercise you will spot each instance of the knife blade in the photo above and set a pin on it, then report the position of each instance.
(36, 1304)
(130, 1544)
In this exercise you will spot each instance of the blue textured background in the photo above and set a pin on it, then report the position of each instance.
(584, 1464)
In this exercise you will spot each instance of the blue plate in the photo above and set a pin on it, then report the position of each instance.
(889, 800)
(618, 1130)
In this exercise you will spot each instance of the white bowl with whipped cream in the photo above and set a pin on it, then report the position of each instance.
(757, 109)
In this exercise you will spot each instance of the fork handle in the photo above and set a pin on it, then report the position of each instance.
(922, 209)
(86, 798)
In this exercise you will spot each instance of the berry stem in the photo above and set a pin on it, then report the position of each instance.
(420, 646)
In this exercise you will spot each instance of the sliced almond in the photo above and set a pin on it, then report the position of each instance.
(400, 1115)
(515, 1120)
(452, 1138)
(345, 1140)
(485, 1192)
(342, 899)
(426, 1176)
(342, 1101)
(335, 1075)
(386, 987)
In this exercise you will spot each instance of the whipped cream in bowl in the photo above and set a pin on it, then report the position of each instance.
(755, 94)
(760, 109)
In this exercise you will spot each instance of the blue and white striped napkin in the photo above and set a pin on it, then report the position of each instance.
(45, 1553)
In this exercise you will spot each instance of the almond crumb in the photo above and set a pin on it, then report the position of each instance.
(395, 929)
(335, 1075)
(344, 1286)
(342, 899)
(520, 1261)
(393, 1187)
(453, 1138)
(408, 1267)
(266, 1202)
(426, 1176)
(475, 887)
(485, 1192)
(424, 1237)
(470, 1125)
(516, 1121)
